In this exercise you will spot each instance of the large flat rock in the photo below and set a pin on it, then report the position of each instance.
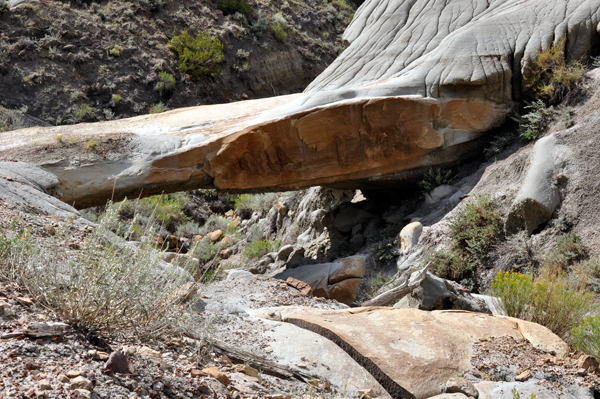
(412, 352)
(421, 81)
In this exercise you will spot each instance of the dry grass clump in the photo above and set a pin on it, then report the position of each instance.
(104, 287)
(549, 77)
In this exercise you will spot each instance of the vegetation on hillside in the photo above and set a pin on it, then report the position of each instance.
(548, 81)
(474, 231)
(67, 62)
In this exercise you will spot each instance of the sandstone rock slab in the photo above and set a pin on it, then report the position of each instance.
(410, 352)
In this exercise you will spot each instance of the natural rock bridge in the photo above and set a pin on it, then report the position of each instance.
(419, 83)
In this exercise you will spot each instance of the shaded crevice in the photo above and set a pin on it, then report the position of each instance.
(392, 387)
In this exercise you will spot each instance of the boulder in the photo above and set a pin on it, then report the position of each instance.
(337, 280)
(215, 235)
(461, 385)
(412, 352)
(284, 252)
(409, 236)
(435, 293)
(539, 196)
(439, 193)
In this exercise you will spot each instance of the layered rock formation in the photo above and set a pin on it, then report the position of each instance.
(419, 83)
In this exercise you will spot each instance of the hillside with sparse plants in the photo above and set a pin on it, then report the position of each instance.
(79, 61)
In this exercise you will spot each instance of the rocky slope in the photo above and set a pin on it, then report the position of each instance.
(376, 117)
(68, 62)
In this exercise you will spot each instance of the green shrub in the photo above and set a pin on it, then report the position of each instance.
(450, 264)
(205, 250)
(375, 283)
(279, 31)
(187, 229)
(550, 77)
(435, 177)
(116, 51)
(474, 230)
(230, 7)
(587, 274)
(566, 113)
(259, 248)
(551, 300)
(214, 222)
(517, 395)
(386, 251)
(107, 288)
(244, 202)
(166, 83)
(587, 336)
(83, 112)
(568, 250)
(519, 245)
(158, 108)
(197, 56)
(166, 210)
(90, 145)
(515, 290)
(533, 123)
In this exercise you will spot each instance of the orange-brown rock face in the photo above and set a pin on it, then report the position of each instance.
(343, 143)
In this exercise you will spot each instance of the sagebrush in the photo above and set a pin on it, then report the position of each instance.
(105, 287)
(474, 231)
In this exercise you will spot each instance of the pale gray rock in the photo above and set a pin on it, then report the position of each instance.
(49, 329)
(435, 293)
(439, 193)
(461, 385)
(503, 390)
(284, 252)
(322, 357)
(539, 196)
(409, 236)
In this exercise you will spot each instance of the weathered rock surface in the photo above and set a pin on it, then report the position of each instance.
(435, 293)
(502, 390)
(417, 86)
(411, 352)
(539, 195)
(337, 280)
(409, 236)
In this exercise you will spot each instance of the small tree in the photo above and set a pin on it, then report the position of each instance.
(197, 56)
